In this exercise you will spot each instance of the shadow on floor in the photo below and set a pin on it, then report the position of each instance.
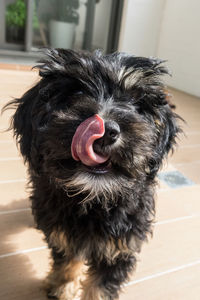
(17, 272)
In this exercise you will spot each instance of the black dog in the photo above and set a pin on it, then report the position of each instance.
(94, 132)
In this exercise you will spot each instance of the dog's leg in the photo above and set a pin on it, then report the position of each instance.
(64, 271)
(105, 278)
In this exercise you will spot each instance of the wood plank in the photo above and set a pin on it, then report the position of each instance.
(9, 150)
(13, 196)
(18, 233)
(175, 203)
(180, 285)
(22, 276)
(172, 245)
(12, 170)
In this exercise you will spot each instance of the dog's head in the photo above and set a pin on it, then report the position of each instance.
(96, 124)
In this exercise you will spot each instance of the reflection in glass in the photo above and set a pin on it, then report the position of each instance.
(15, 19)
(62, 23)
(57, 21)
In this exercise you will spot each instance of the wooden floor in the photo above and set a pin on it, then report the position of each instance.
(169, 265)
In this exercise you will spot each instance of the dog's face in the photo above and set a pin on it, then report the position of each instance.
(95, 124)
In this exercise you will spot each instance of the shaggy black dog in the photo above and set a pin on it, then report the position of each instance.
(94, 132)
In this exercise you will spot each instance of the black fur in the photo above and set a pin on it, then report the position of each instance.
(103, 218)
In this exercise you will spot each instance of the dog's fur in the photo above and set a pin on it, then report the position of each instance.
(97, 219)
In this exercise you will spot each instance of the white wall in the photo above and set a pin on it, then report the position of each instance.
(169, 29)
(180, 43)
(141, 27)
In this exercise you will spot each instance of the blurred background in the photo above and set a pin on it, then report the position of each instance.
(169, 29)
(76, 24)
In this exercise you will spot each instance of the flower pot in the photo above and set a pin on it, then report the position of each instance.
(62, 34)
(15, 34)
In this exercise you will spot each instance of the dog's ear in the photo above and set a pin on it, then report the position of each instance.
(28, 116)
(167, 127)
(21, 121)
(144, 78)
(154, 101)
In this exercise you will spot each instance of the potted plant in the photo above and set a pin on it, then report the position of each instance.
(62, 30)
(15, 21)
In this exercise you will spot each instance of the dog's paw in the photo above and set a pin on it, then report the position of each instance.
(54, 293)
(67, 292)
(52, 290)
(72, 291)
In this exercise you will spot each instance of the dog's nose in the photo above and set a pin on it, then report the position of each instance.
(112, 131)
(111, 135)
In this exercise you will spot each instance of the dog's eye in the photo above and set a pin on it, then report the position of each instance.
(78, 93)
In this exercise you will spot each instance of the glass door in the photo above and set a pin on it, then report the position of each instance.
(74, 24)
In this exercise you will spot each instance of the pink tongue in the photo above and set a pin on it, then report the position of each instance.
(82, 143)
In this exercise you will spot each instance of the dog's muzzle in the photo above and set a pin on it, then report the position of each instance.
(93, 130)
(82, 143)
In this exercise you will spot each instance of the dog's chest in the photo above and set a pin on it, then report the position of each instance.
(103, 234)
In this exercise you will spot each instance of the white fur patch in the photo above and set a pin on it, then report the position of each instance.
(93, 186)
(129, 76)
